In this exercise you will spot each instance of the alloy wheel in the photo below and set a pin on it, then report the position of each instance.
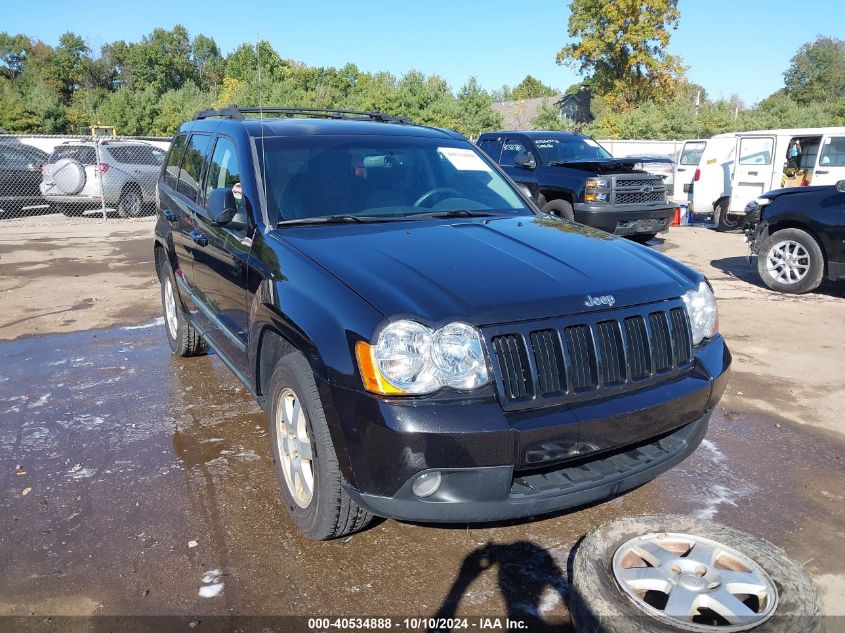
(694, 583)
(294, 448)
(788, 262)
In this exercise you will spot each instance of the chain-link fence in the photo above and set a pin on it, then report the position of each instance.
(84, 176)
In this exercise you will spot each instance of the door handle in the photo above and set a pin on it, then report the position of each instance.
(752, 173)
(822, 173)
(682, 168)
(198, 237)
(169, 215)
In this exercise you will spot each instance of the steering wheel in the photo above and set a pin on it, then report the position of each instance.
(433, 192)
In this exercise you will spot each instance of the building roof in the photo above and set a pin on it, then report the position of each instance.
(518, 114)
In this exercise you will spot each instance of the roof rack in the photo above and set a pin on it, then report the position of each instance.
(236, 113)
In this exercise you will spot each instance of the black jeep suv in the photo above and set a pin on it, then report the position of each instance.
(570, 175)
(427, 344)
(798, 236)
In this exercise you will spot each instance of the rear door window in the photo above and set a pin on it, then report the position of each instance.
(83, 153)
(692, 152)
(174, 158)
(190, 174)
(756, 150)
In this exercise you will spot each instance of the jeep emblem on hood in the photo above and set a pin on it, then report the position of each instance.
(604, 300)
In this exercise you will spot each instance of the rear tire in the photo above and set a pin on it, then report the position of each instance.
(559, 208)
(325, 511)
(131, 203)
(184, 339)
(802, 270)
(723, 220)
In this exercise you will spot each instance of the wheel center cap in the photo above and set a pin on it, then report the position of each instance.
(692, 582)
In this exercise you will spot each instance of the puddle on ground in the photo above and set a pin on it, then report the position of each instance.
(147, 471)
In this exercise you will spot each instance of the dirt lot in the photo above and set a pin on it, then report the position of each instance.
(131, 455)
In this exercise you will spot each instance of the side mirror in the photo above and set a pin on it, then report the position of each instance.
(525, 159)
(840, 186)
(221, 206)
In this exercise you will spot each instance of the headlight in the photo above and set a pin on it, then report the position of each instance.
(761, 202)
(702, 311)
(595, 197)
(409, 358)
(597, 183)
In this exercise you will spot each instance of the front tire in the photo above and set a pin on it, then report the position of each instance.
(791, 261)
(559, 208)
(305, 458)
(183, 338)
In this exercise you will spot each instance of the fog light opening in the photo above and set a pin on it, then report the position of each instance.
(427, 484)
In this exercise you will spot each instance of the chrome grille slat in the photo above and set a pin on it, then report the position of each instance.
(587, 356)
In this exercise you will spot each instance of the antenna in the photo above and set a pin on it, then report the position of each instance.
(261, 116)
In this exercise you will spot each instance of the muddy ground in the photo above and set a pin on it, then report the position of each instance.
(145, 473)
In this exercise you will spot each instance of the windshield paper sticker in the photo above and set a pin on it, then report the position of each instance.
(463, 159)
(591, 142)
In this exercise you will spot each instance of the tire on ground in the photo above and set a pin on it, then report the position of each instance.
(642, 238)
(187, 341)
(331, 513)
(131, 201)
(723, 220)
(560, 208)
(815, 274)
(598, 605)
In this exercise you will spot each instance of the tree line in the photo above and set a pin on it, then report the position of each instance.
(151, 86)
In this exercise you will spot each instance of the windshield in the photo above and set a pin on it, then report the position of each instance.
(569, 148)
(387, 178)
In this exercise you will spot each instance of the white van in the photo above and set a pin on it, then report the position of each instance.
(685, 167)
(763, 164)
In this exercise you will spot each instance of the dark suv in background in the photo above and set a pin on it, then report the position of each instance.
(428, 346)
(570, 175)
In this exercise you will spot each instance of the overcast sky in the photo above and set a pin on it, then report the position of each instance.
(730, 46)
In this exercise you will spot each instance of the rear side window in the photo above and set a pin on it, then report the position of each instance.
(171, 172)
(137, 154)
(192, 162)
(833, 152)
(691, 155)
(83, 153)
(492, 147)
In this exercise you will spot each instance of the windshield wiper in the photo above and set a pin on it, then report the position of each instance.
(452, 213)
(334, 219)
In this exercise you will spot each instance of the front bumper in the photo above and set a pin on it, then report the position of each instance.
(497, 465)
(624, 219)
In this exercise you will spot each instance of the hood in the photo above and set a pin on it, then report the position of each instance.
(776, 193)
(603, 165)
(488, 271)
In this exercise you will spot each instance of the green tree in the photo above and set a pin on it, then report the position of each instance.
(817, 71)
(475, 111)
(68, 64)
(530, 88)
(161, 60)
(132, 112)
(549, 118)
(178, 106)
(622, 46)
(13, 53)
